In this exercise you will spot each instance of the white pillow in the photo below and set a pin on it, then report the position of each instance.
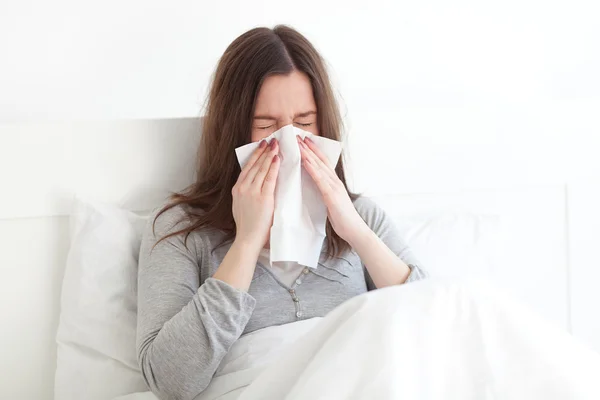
(452, 235)
(96, 357)
(453, 244)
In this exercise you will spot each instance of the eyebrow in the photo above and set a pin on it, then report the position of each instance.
(299, 115)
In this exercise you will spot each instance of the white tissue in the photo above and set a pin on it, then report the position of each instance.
(300, 215)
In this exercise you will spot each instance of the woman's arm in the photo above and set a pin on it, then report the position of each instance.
(184, 328)
(252, 208)
(385, 268)
(363, 225)
(387, 258)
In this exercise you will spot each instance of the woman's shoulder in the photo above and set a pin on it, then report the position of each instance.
(368, 209)
(168, 218)
(364, 202)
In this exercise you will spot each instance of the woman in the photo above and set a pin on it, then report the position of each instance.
(204, 273)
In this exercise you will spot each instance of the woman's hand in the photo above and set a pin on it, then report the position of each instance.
(254, 198)
(344, 218)
(253, 205)
(385, 267)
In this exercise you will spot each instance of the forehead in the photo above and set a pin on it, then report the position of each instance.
(280, 95)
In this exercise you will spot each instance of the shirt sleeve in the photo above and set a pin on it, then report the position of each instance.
(384, 227)
(184, 328)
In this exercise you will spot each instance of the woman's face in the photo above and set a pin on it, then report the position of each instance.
(284, 100)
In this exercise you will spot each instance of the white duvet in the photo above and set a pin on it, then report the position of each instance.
(424, 340)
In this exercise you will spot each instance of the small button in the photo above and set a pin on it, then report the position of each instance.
(298, 314)
(296, 300)
(298, 281)
(292, 291)
(305, 271)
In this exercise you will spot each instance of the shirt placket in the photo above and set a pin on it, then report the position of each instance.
(295, 298)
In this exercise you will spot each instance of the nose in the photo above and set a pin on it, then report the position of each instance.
(285, 122)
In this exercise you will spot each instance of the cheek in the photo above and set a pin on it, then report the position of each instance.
(259, 134)
(314, 129)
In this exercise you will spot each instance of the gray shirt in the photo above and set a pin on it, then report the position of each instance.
(187, 320)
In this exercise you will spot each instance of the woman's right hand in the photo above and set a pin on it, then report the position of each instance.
(254, 196)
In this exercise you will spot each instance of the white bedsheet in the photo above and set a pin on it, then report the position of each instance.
(425, 340)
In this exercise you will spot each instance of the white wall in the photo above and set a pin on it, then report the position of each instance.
(152, 59)
(437, 97)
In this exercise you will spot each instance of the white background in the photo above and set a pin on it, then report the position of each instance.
(152, 59)
(517, 76)
(437, 97)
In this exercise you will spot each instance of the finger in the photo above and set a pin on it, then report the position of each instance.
(313, 153)
(264, 166)
(322, 183)
(313, 147)
(322, 160)
(267, 155)
(253, 158)
(271, 178)
(325, 171)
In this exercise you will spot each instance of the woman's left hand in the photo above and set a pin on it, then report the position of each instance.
(344, 218)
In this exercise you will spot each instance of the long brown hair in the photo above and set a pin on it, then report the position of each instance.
(246, 63)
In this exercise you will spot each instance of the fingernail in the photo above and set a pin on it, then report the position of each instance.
(263, 143)
(307, 139)
(275, 157)
(273, 143)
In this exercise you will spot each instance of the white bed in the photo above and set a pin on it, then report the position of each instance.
(544, 252)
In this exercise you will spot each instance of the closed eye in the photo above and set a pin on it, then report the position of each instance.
(308, 124)
(264, 127)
